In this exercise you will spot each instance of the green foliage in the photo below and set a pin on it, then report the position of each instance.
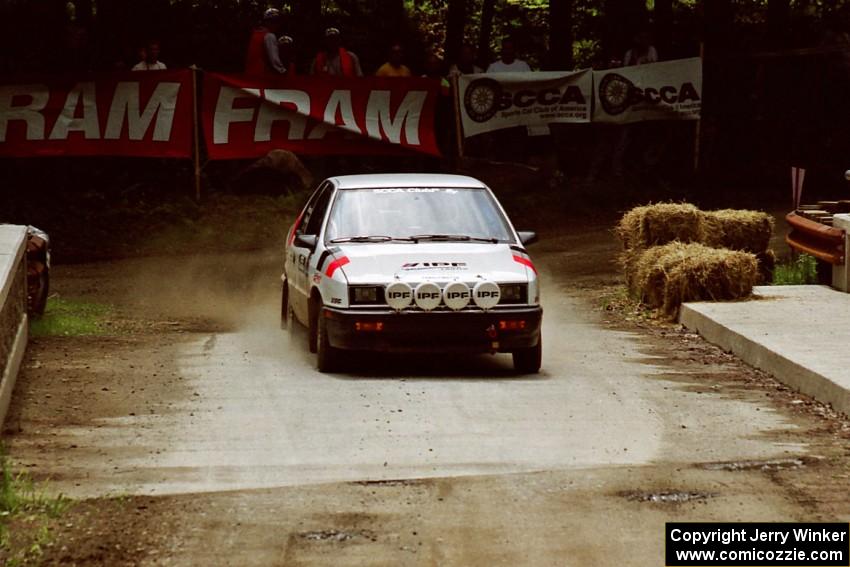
(586, 52)
(799, 271)
(64, 317)
(19, 496)
(525, 19)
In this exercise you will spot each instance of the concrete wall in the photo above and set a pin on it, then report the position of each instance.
(841, 274)
(13, 309)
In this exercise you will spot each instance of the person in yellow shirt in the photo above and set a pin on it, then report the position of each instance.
(394, 66)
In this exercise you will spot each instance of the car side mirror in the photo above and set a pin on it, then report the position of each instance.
(527, 237)
(308, 241)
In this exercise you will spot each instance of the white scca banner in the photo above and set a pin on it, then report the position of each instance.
(671, 90)
(503, 100)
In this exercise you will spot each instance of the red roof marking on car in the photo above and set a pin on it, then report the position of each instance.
(338, 263)
(525, 262)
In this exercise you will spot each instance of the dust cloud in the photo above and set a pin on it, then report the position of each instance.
(215, 292)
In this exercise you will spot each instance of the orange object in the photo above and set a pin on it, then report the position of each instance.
(823, 242)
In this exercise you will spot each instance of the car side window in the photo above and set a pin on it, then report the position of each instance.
(309, 208)
(317, 215)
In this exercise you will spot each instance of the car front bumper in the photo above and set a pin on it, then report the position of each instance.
(502, 330)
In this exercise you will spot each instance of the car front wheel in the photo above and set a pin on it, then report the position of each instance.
(327, 357)
(528, 360)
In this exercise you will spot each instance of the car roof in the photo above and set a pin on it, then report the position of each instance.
(379, 180)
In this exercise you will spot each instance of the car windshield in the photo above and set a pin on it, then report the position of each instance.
(417, 214)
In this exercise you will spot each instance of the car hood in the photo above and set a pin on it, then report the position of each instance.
(440, 262)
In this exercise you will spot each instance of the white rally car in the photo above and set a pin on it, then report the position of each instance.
(411, 263)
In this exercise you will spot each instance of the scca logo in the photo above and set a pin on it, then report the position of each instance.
(617, 94)
(485, 97)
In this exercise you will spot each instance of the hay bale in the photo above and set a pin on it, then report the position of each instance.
(628, 261)
(749, 231)
(666, 276)
(712, 274)
(767, 263)
(654, 225)
(629, 228)
(651, 269)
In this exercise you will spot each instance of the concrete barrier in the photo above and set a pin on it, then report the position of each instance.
(841, 272)
(13, 309)
(787, 332)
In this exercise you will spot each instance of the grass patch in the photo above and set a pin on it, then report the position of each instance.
(617, 301)
(25, 505)
(70, 318)
(802, 270)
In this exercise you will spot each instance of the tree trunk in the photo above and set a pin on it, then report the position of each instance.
(778, 20)
(560, 34)
(84, 11)
(307, 20)
(663, 15)
(392, 11)
(623, 19)
(717, 22)
(488, 11)
(455, 25)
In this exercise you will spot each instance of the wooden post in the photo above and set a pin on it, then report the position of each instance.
(698, 126)
(196, 126)
(458, 121)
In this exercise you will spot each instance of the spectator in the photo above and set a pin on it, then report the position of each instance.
(642, 50)
(508, 62)
(263, 57)
(77, 47)
(466, 64)
(334, 60)
(394, 66)
(434, 70)
(150, 58)
(647, 138)
(286, 52)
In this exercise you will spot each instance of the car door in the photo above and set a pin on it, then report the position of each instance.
(299, 256)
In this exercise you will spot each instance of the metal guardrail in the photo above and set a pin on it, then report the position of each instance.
(823, 242)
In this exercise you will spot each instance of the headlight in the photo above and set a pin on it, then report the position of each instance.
(513, 293)
(366, 295)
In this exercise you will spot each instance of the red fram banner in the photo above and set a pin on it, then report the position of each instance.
(134, 114)
(245, 117)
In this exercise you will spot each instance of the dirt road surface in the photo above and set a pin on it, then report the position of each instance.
(199, 433)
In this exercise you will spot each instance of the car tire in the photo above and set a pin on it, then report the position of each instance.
(313, 313)
(284, 306)
(327, 357)
(528, 360)
(38, 300)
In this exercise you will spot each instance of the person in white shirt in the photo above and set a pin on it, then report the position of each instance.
(151, 61)
(508, 62)
(642, 52)
(466, 63)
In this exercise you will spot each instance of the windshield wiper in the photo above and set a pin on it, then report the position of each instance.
(452, 238)
(368, 238)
